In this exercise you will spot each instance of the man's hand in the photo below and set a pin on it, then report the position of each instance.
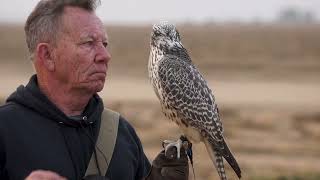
(44, 175)
(169, 167)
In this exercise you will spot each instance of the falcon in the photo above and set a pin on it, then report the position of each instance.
(185, 97)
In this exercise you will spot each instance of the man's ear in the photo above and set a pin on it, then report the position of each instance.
(44, 54)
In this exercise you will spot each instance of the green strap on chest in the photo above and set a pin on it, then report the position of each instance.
(105, 143)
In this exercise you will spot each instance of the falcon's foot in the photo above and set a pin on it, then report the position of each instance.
(168, 144)
(182, 141)
(187, 147)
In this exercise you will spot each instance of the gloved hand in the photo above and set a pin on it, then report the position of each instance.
(169, 167)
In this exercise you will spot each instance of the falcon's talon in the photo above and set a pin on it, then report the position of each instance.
(168, 143)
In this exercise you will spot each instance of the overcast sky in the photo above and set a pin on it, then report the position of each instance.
(140, 11)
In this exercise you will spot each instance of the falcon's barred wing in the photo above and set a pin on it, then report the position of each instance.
(185, 96)
(188, 93)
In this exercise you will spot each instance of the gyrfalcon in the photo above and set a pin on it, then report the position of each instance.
(185, 97)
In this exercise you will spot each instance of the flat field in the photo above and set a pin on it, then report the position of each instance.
(266, 80)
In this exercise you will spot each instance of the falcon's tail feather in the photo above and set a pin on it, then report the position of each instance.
(226, 153)
(220, 166)
(216, 159)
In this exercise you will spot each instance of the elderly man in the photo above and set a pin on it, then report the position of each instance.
(49, 128)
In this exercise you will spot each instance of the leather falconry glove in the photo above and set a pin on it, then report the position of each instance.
(169, 167)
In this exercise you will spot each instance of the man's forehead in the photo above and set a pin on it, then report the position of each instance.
(82, 22)
(94, 35)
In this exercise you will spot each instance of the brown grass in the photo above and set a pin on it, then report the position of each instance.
(266, 81)
(266, 142)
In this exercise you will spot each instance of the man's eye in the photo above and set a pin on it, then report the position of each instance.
(89, 42)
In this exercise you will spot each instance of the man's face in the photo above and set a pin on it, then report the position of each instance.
(81, 56)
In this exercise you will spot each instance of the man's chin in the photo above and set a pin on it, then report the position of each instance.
(93, 87)
(98, 87)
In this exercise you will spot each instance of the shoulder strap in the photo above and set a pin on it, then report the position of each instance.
(105, 142)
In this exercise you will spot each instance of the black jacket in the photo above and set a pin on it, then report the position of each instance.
(35, 134)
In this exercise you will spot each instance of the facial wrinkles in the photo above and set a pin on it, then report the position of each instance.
(90, 44)
(91, 35)
(83, 25)
(81, 30)
(61, 57)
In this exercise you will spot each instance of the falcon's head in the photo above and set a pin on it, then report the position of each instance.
(164, 36)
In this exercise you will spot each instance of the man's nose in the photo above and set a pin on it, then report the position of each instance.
(102, 54)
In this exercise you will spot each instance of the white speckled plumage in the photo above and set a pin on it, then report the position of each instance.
(184, 95)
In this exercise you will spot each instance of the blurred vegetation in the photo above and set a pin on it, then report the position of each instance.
(268, 51)
(292, 177)
(265, 50)
(294, 15)
(271, 143)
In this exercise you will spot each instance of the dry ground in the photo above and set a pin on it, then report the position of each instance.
(265, 79)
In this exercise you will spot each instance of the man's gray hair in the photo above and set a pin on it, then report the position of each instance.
(44, 21)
